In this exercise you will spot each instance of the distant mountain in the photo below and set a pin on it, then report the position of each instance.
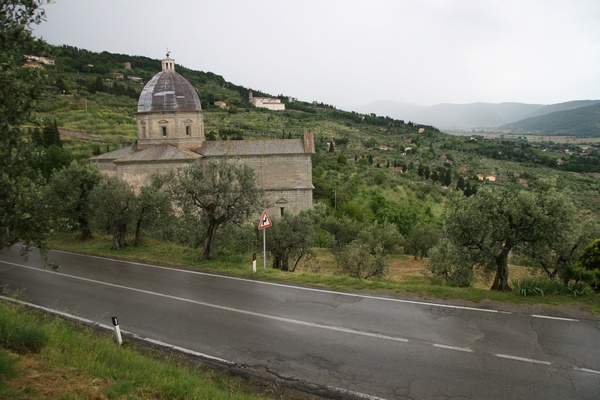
(468, 116)
(581, 121)
(454, 116)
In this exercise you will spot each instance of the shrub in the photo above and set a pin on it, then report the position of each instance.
(447, 265)
(546, 287)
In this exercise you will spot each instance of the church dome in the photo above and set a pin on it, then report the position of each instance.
(168, 91)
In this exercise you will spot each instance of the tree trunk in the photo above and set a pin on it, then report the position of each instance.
(138, 233)
(86, 231)
(501, 279)
(207, 253)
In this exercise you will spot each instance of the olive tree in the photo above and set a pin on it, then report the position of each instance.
(114, 202)
(488, 226)
(69, 191)
(24, 216)
(292, 237)
(219, 192)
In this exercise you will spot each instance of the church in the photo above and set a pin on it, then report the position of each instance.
(170, 135)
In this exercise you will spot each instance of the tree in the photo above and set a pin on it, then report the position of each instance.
(153, 207)
(366, 256)
(421, 240)
(24, 215)
(69, 193)
(51, 135)
(114, 203)
(487, 226)
(590, 261)
(292, 237)
(557, 258)
(221, 193)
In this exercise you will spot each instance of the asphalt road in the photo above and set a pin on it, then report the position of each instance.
(381, 347)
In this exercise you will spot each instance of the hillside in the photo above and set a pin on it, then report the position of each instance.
(411, 164)
(582, 122)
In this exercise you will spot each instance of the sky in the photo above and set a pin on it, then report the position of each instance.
(349, 53)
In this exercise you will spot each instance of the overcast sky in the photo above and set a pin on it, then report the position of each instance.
(348, 53)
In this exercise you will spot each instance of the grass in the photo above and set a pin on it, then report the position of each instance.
(405, 277)
(78, 362)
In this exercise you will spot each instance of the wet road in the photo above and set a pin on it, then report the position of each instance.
(381, 347)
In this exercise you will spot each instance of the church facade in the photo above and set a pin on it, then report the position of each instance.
(170, 132)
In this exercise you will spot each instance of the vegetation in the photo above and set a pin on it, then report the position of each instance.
(45, 357)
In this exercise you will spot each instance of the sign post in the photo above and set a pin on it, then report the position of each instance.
(265, 222)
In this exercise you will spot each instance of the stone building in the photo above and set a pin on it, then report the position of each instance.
(170, 130)
(266, 102)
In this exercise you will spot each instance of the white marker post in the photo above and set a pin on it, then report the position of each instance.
(265, 222)
(254, 263)
(118, 338)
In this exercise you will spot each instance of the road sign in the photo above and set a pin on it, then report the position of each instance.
(265, 221)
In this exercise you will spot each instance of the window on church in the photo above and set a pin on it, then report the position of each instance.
(188, 130)
(282, 210)
(164, 130)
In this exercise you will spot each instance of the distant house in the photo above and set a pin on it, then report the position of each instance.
(127, 65)
(40, 59)
(135, 78)
(269, 103)
(384, 148)
(490, 178)
(33, 64)
(117, 75)
(221, 104)
(421, 130)
(480, 177)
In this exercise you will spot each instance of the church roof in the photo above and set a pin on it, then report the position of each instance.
(162, 152)
(168, 91)
(115, 154)
(251, 147)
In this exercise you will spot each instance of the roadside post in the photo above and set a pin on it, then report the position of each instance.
(254, 263)
(265, 222)
(118, 338)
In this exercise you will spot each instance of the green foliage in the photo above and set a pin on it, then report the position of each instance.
(422, 238)
(23, 216)
(68, 194)
(21, 333)
(546, 287)
(365, 255)
(7, 367)
(589, 262)
(218, 192)
(113, 202)
(486, 227)
(292, 237)
(448, 265)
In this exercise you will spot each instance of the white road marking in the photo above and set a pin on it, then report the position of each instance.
(556, 318)
(529, 360)
(422, 303)
(224, 308)
(167, 345)
(443, 346)
(592, 371)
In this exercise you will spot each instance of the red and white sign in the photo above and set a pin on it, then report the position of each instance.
(265, 221)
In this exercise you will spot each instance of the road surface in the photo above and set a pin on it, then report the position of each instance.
(377, 346)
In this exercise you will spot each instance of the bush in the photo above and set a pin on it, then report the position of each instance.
(546, 287)
(446, 265)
